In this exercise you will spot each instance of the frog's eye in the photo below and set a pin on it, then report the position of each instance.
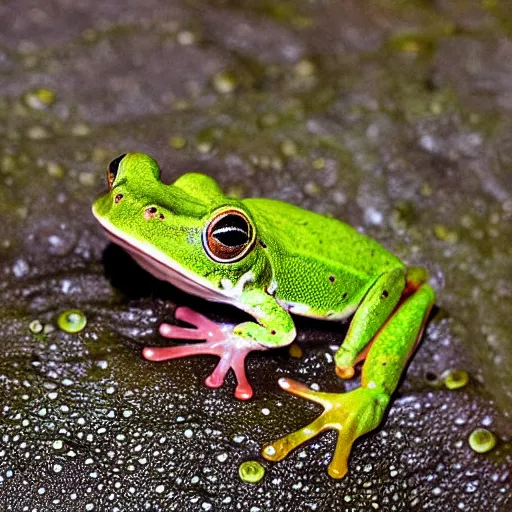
(228, 237)
(113, 167)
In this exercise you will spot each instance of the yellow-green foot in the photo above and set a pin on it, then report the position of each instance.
(351, 414)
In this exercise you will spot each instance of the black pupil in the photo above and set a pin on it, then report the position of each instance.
(231, 231)
(113, 166)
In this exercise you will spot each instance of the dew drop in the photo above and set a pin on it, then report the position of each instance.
(72, 321)
(481, 440)
(454, 378)
(251, 471)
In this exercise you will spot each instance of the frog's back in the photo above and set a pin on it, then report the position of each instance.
(319, 262)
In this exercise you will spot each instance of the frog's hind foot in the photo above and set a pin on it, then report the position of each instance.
(351, 414)
(347, 368)
(221, 342)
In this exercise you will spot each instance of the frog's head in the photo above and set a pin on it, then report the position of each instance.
(188, 233)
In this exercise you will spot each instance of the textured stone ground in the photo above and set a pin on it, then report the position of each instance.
(394, 116)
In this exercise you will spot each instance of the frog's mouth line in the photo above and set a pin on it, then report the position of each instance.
(163, 268)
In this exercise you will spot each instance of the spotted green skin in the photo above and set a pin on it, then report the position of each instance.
(302, 262)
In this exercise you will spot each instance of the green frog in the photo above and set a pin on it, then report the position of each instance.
(272, 260)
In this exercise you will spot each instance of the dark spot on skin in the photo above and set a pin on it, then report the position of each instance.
(332, 279)
(150, 213)
(372, 253)
(161, 216)
(118, 198)
(384, 363)
(385, 294)
(272, 331)
(263, 244)
(431, 376)
(344, 296)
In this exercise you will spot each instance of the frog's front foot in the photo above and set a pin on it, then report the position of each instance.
(351, 414)
(221, 341)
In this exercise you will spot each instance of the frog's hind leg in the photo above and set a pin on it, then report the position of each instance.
(415, 277)
(372, 313)
(396, 341)
(361, 410)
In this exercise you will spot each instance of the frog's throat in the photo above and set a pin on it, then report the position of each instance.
(165, 268)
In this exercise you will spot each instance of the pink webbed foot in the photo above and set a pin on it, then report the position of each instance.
(221, 342)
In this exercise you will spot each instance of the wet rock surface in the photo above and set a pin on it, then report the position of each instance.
(394, 118)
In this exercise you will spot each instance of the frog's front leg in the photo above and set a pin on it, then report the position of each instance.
(361, 410)
(231, 344)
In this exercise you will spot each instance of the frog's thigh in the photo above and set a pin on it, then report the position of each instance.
(394, 344)
(372, 313)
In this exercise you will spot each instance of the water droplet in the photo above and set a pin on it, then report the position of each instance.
(178, 142)
(186, 38)
(20, 268)
(39, 99)
(72, 321)
(35, 326)
(80, 130)
(454, 378)
(55, 169)
(288, 148)
(224, 82)
(305, 68)
(251, 471)
(38, 132)
(222, 457)
(481, 440)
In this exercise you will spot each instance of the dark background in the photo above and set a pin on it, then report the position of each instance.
(394, 116)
